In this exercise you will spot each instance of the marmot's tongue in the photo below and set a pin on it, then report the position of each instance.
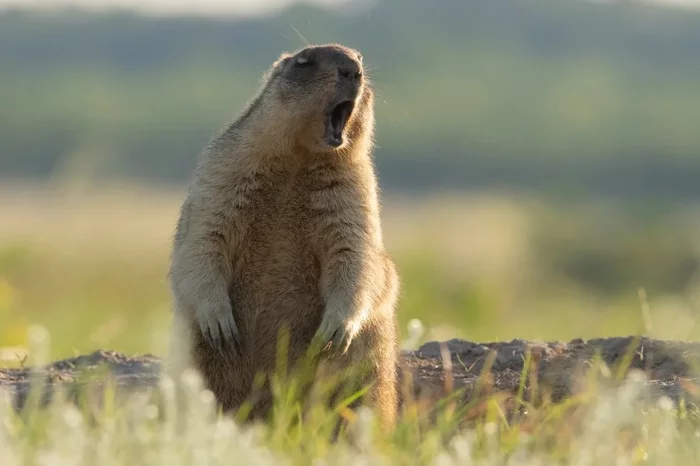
(339, 117)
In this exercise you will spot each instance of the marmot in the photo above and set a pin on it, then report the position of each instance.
(281, 230)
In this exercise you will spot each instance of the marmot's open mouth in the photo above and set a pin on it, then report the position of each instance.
(337, 119)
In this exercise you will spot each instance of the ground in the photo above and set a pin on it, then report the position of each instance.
(668, 365)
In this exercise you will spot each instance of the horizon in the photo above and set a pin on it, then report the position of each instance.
(207, 8)
(239, 8)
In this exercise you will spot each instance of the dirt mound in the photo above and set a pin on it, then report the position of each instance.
(433, 369)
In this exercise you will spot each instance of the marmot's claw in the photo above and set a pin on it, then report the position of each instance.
(221, 332)
(335, 332)
(342, 339)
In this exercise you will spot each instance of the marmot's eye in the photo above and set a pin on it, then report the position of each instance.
(302, 61)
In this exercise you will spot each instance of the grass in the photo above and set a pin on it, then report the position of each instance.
(603, 424)
(88, 265)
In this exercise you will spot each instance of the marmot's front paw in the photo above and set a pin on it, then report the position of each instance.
(218, 326)
(336, 330)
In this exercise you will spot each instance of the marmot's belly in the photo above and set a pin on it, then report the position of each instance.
(283, 292)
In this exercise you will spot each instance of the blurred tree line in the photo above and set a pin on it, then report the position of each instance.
(554, 96)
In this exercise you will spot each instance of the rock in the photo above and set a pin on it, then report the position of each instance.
(435, 369)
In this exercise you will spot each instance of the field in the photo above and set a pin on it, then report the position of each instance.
(88, 265)
(561, 133)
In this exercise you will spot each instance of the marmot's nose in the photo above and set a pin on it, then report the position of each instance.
(349, 72)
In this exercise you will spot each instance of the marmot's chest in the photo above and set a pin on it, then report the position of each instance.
(279, 209)
(276, 258)
(277, 233)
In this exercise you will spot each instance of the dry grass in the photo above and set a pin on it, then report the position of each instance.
(600, 425)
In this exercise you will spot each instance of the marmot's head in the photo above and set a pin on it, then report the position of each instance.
(323, 91)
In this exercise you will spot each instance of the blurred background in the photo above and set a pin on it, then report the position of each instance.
(540, 160)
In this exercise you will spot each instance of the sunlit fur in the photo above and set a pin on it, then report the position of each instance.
(287, 229)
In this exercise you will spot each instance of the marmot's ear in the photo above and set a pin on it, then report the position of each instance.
(283, 59)
(278, 66)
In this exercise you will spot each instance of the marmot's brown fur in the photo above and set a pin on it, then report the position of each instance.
(281, 231)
